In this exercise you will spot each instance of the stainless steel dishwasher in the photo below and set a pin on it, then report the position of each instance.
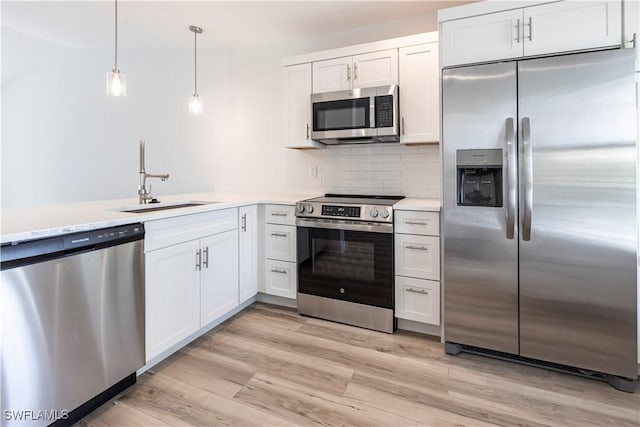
(72, 312)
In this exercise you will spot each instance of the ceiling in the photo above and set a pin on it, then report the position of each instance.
(230, 24)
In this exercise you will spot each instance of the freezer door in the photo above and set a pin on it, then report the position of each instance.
(577, 210)
(480, 278)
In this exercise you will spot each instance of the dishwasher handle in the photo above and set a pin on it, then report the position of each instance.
(18, 254)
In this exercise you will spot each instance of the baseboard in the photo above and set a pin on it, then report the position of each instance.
(275, 300)
(159, 358)
(422, 328)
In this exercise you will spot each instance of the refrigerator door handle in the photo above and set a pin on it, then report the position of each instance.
(511, 178)
(528, 178)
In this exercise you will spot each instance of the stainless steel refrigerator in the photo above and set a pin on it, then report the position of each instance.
(540, 210)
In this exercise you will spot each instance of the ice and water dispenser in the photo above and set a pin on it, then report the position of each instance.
(479, 177)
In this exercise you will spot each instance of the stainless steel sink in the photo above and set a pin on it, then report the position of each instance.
(162, 207)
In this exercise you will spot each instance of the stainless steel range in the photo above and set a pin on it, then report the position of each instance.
(345, 259)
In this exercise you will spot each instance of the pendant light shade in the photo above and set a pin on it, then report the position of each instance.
(195, 103)
(116, 81)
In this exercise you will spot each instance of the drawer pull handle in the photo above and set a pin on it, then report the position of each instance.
(418, 291)
(415, 223)
(277, 270)
(419, 248)
(279, 234)
(279, 214)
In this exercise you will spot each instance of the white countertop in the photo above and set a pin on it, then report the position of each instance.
(42, 221)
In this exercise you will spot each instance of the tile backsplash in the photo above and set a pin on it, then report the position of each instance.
(412, 171)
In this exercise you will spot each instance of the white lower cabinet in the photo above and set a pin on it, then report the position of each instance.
(219, 277)
(189, 282)
(417, 266)
(418, 300)
(281, 278)
(248, 258)
(172, 297)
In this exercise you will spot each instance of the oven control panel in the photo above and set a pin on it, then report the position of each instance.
(377, 213)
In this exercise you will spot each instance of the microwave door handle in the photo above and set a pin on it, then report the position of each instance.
(372, 111)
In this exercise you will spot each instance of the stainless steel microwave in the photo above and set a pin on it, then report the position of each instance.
(357, 116)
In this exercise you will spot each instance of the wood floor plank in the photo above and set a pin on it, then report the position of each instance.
(268, 366)
(306, 406)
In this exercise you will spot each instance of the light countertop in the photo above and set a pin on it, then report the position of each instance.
(42, 221)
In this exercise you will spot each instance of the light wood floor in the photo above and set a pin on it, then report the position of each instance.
(268, 366)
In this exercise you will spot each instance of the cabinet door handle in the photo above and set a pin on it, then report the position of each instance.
(402, 125)
(348, 73)
(279, 214)
(355, 71)
(419, 248)
(418, 291)
(205, 263)
(415, 223)
(277, 270)
(517, 27)
(244, 222)
(198, 260)
(279, 234)
(530, 25)
(308, 131)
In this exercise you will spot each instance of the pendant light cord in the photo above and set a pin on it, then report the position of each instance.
(116, 37)
(195, 62)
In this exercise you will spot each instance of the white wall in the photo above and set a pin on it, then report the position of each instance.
(65, 140)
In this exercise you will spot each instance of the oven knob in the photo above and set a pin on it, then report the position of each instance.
(300, 208)
(373, 212)
(342, 290)
(309, 208)
(384, 214)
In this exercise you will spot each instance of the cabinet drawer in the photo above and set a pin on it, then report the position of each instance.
(417, 222)
(418, 300)
(417, 256)
(280, 214)
(166, 232)
(280, 242)
(281, 278)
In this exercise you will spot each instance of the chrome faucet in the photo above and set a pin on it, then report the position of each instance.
(142, 188)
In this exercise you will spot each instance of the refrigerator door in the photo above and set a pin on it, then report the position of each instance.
(577, 210)
(480, 275)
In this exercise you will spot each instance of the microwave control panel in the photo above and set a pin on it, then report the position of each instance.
(384, 111)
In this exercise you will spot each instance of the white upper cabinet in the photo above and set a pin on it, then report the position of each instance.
(375, 69)
(419, 94)
(535, 30)
(297, 106)
(571, 25)
(482, 38)
(366, 70)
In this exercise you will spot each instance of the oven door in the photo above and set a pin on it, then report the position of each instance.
(348, 265)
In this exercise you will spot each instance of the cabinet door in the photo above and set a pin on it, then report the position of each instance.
(281, 278)
(482, 38)
(172, 296)
(419, 99)
(571, 25)
(248, 261)
(219, 281)
(280, 242)
(418, 300)
(297, 105)
(332, 75)
(417, 256)
(375, 69)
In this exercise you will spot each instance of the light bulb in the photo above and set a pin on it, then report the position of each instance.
(195, 104)
(116, 83)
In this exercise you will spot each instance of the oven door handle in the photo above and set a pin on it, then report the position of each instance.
(345, 225)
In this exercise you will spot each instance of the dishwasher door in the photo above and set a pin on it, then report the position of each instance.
(73, 326)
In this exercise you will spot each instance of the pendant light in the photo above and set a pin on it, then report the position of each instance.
(195, 103)
(116, 81)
